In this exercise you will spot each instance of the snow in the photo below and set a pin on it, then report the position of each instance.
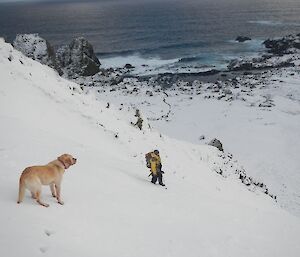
(110, 208)
(258, 122)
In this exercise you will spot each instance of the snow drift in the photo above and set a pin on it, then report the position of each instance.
(110, 208)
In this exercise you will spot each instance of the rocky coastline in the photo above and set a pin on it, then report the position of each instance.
(78, 62)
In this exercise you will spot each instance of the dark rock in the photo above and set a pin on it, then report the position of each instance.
(277, 46)
(78, 58)
(129, 66)
(283, 45)
(242, 39)
(202, 137)
(237, 65)
(216, 143)
(149, 93)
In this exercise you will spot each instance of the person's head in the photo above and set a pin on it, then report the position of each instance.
(156, 152)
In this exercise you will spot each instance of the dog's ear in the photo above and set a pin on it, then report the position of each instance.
(65, 160)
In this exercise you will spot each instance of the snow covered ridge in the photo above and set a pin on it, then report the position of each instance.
(110, 207)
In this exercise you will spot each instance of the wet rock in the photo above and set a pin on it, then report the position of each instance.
(283, 45)
(129, 66)
(242, 39)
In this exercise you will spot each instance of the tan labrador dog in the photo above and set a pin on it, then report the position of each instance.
(34, 177)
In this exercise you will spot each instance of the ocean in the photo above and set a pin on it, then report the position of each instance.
(156, 35)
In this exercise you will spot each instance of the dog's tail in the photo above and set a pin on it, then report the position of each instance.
(21, 190)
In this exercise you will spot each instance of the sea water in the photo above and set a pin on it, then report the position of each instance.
(156, 35)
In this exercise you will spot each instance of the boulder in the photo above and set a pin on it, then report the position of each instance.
(242, 39)
(36, 48)
(78, 58)
(216, 143)
(129, 66)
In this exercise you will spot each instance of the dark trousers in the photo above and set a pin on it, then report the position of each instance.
(157, 176)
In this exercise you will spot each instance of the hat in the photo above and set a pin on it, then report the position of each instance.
(156, 151)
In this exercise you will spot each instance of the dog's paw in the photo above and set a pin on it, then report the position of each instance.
(48, 232)
(61, 202)
(43, 204)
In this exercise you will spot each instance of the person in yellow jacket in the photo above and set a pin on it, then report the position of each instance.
(155, 166)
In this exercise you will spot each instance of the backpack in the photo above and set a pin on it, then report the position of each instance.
(148, 156)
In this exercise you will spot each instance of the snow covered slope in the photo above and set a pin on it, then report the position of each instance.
(110, 208)
(257, 120)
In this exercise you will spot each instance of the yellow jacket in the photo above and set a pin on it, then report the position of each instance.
(155, 163)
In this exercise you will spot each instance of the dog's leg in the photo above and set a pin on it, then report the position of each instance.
(33, 195)
(52, 188)
(57, 187)
(38, 199)
(21, 190)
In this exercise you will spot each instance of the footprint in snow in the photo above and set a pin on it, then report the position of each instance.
(48, 232)
(43, 249)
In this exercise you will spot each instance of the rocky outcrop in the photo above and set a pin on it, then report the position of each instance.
(36, 48)
(282, 52)
(285, 45)
(78, 58)
(216, 143)
(73, 60)
(242, 39)
(129, 66)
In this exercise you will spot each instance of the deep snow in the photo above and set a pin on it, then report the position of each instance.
(110, 208)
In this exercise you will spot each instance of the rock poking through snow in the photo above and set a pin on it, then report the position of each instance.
(78, 58)
(36, 48)
(216, 143)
